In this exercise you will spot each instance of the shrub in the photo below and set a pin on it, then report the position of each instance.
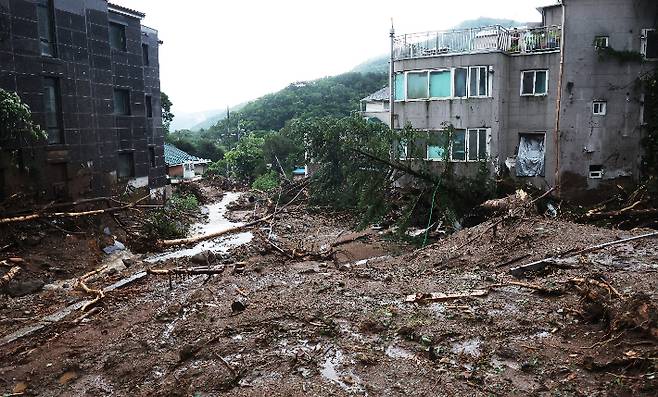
(172, 221)
(266, 182)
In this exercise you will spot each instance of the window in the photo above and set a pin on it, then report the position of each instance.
(650, 43)
(436, 146)
(46, 28)
(401, 148)
(122, 102)
(440, 84)
(399, 86)
(530, 157)
(126, 166)
(417, 85)
(599, 108)
(477, 146)
(479, 81)
(601, 42)
(458, 146)
(53, 110)
(145, 55)
(149, 106)
(152, 156)
(460, 82)
(595, 171)
(117, 36)
(534, 82)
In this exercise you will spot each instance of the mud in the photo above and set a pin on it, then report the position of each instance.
(341, 326)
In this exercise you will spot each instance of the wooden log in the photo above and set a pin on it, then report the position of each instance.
(196, 239)
(186, 271)
(6, 279)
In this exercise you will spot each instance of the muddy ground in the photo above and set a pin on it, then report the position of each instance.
(347, 320)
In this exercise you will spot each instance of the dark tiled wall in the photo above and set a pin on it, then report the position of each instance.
(88, 71)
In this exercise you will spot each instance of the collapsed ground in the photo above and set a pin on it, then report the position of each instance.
(323, 310)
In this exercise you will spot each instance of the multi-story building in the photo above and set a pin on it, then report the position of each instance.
(551, 104)
(89, 72)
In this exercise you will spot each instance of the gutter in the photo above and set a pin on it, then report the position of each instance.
(558, 104)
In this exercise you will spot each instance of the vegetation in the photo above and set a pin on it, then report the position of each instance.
(173, 221)
(330, 96)
(266, 182)
(16, 119)
(167, 115)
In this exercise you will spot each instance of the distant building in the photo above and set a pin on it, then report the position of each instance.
(182, 166)
(376, 106)
(518, 109)
(89, 72)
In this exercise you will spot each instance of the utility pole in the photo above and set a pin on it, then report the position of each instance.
(391, 80)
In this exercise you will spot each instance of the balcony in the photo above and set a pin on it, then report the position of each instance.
(478, 40)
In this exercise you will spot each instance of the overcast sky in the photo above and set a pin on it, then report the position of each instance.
(219, 52)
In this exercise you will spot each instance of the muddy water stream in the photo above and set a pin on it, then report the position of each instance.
(217, 222)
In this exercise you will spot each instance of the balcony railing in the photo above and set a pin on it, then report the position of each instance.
(478, 40)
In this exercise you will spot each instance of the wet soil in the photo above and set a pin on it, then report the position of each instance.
(274, 326)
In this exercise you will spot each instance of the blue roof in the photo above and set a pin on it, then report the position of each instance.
(299, 171)
(175, 156)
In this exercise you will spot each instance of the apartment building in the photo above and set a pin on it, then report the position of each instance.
(89, 71)
(549, 104)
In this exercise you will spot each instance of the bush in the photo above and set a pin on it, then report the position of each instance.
(173, 221)
(266, 182)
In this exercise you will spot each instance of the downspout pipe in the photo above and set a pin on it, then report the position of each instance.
(558, 104)
(391, 81)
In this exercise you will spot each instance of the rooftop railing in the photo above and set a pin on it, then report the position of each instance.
(478, 40)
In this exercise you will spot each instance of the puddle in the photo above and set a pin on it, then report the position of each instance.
(469, 347)
(345, 379)
(217, 222)
(398, 352)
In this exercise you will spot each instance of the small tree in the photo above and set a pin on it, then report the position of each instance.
(16, 126)
(167, 115)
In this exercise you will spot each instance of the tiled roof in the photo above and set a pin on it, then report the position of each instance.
(381, 95)
(125, 10)
(175, 156)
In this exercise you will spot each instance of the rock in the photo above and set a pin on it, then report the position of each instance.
(237, 307)
(128, 262)
(117, 246)
(204, 258)
(18, 289)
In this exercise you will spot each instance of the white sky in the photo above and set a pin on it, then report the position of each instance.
(219, 52)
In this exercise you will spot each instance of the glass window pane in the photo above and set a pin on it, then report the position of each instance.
(459, 145)
(117, 36)
(44, 18)
(472, 145)
(122, 102)
(484, 82)
(126, 167)
(145, 54)
(51, 110)
(528, 81)
(436, 145)
(482, 145)
(652, 44)
(399, 87)
(540, 84)
(461, 75)
(149, 106)
(440, 84)
(473, 86)
(417, 85)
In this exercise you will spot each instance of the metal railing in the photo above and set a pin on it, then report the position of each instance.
(477, 40)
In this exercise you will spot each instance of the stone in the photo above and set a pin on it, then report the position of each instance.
(18, 289)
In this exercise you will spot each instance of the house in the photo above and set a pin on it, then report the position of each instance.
(550, 105)
(89, 72)
(376, 106)
(183, 166)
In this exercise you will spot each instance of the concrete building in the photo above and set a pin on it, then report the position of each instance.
(182, 166)
(549, 104)
(89, 71)
(376, 105)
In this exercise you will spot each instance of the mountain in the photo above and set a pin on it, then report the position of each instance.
(483, 21)
(328, 96)
(184, 120)
(216, 116)
(374, 65)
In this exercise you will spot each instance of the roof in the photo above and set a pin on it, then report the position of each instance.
(550, 5)
(125, 11)
(175, 156)
(299, 171)
(381, 95)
